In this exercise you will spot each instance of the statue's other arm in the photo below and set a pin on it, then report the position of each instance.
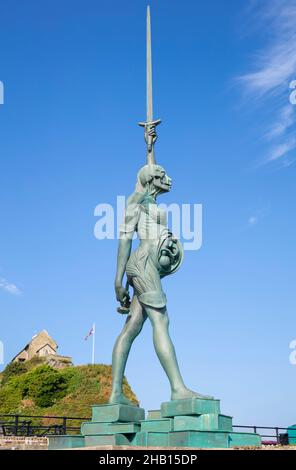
(125, 243)
(123, 254)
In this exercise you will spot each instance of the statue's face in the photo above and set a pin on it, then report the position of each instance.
(161, 180)
(154, 179)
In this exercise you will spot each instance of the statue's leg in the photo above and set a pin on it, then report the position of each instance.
(131, 329)
(166, 353)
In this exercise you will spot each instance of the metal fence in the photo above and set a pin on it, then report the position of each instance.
(278, 435)
(23, 425)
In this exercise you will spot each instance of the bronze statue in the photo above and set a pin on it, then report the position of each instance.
(158, 254)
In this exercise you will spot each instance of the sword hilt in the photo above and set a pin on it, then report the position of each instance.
(150, 138)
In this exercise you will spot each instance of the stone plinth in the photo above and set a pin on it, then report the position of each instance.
(189, 423)
(117, 413)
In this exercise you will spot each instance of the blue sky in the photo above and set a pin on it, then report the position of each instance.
(74, 80)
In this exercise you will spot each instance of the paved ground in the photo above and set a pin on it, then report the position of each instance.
(183, 448)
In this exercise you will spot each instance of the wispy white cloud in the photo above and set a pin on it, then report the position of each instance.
(253, 220)
(282, 149)
(9, 287)
(284, 121)
(256, 216)
(273, 69)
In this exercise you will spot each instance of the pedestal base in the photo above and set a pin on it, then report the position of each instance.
(117, 413)
(187, 423)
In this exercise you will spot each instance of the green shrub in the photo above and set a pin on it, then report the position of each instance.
(45, 385)
(73, 377)
(12, 393)
(11, 370)
(43, 390)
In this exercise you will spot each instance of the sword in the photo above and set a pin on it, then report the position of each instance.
(149, 125)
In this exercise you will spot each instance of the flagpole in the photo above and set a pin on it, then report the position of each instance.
(93, 344)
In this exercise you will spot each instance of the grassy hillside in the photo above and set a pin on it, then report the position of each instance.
(35, 388)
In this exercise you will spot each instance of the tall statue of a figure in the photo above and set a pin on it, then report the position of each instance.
(157, 255)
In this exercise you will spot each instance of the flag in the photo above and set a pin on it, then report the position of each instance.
(90, 333)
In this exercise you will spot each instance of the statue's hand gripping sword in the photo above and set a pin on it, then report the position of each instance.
(149, 125)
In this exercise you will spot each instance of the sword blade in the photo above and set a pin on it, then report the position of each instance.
(149, 69)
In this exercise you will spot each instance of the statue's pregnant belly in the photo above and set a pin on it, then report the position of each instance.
(157, 243)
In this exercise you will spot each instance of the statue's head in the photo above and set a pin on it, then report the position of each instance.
(153, 179)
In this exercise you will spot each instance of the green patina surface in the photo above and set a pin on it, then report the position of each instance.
(157, 439)
(125, 428)
(154, 414)
(206, 422)
(202, 427)
(204, 439)
(157, 425)
(89, 428)
(115, 413)
(224, 423)
(92, 428)
(191, 406)
(292, 434)
(243, 439)
(107, 439)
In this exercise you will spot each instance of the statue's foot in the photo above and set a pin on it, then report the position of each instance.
(120, 399)
(184, 393)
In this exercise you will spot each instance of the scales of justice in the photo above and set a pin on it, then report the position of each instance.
(189, 419)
